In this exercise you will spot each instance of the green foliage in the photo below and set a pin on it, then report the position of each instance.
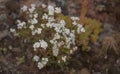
(93, 28)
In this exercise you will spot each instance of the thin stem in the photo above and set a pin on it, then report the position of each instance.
(83, 11)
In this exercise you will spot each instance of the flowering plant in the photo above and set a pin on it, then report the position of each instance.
(53, 35)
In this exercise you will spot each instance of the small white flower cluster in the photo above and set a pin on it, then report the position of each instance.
(33, 15)
(43, 44)
(58, 10)
(32, 8)
(42, 63)
(52, 10)
(36, 31)
(64, 58)
(36, 58)
(44, 6)
(73, 49)
(24, 8)
(12, 30)
(80, 26)
(63, 36)
(20, 24)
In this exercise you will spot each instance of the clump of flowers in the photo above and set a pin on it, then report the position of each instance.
(53, 35)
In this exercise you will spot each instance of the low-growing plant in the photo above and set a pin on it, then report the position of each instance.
(54, 36)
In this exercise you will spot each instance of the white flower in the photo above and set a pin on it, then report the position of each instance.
(40, 65)
(55, 50)
(68, 45)
(58, 61)
(58, 30)
(75, 48)
(48, 24)
(80, 25)
(31, 27)
(56, 36)
(32, 9)
(43, 25)
(79, 28)
(45, 16)
(67, 31)
(60, 44)
(50, 10)
(62, 22)
(36, 45)
(44, 61)
(35, 15)
(51, 19)
(36, 58)
(33, 32)
(82, 29)
(38, 30)
(71, 51)
(72, 36)
(34, 21)
(68, 39)
(24, 8)
(75, 18)
(33, 5)
(73, 31)
(58, 27)
(18, 21)
(51, 41)
(20, 24)
(44, 6)
(74, 23)
(43, 44)
(12, 30)
(57, 10)
(30, 15)
(64, 58)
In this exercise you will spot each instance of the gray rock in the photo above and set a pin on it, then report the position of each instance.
(3, 17)
(100, 7)
(14, 15)
(4, 34)
(2, 6)
(108, 28)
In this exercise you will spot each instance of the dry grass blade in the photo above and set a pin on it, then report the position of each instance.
(110, 42)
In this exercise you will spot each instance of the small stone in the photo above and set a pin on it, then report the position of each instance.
(118, 61)
(10, 47)
(100, 8)
(84, 71)
(3, 17)
(3, 34)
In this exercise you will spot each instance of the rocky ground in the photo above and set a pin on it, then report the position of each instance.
(15, 57)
